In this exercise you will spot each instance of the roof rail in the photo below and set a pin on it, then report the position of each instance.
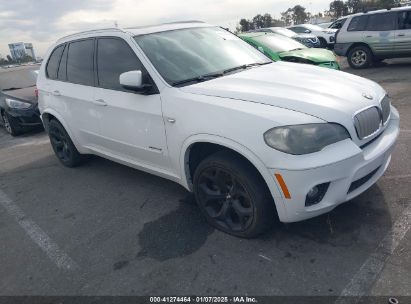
(91, 31)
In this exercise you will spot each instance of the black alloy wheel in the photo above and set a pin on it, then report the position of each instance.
(233, 196)
(62, 145)
(11, 124)
(225, 199)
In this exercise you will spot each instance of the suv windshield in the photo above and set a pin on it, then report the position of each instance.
(181, 55)
(337, 24)
(278, 43)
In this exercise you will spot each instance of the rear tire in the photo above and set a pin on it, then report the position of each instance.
(62, 145)
(360, 57)
(323, 43)
(11, 124)
(233, 196)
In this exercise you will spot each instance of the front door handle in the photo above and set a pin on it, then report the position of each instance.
(401, 35)
(56, 93)
(100, 102)
(368, 36)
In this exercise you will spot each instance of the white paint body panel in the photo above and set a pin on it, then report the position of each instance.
(154, 133)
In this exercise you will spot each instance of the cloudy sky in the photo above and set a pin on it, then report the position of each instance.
(44, 21)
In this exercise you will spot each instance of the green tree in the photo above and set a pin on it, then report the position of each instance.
(258, 21)
(299, 14)
(286, 17)
(267, 20)
(338, 8)
(245, 25)
(354, 6)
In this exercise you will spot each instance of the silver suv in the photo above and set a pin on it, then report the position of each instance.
(370, 37)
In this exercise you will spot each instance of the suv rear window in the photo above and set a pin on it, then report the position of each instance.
(382, 22)
(80, 62)
(53, 64)
(405, 21)
(62, 74)
(357, 24)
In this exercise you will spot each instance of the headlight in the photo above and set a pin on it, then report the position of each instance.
(15, 104)
(304, 139)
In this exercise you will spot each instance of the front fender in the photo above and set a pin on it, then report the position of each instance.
(242, 150)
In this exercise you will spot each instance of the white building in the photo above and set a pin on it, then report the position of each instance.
(20, 49)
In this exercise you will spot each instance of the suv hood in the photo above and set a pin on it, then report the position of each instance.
(327, 94)
(25, 94)
(316, 55)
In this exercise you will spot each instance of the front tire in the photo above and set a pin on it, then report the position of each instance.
(360, 57)
(233, 196)
(11, 124)
(62, 145)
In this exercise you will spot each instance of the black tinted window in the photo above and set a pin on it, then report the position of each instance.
(62, 72)
(53, 64)
(80, 62)
(405, 21)
(114, 57)
(338, 24)
(358, 24)
(382, 22)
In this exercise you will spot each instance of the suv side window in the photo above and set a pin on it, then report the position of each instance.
(357, 24)
(405, 20)
(62, 72)
(114, 57)
(53, 64)
(80, 62)
(382, 22)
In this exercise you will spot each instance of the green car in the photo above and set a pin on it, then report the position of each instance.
(279, 47)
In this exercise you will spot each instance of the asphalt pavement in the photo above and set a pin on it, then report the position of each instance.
(106, 229)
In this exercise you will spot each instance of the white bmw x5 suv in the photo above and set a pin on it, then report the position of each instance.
(191, 102)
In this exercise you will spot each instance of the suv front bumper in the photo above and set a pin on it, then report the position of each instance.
(348, 178)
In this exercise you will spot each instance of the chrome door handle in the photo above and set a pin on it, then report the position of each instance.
(171, 120)
(100, 102)
(56, 93)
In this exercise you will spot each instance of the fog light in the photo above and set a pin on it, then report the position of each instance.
(316, 194)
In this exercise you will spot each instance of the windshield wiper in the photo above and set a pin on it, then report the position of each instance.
(218, 74)
(245, 66)
(198, 78)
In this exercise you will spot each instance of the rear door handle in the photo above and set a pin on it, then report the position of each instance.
(100, 102)
(56, 93)
(401, 35)
(368, 36)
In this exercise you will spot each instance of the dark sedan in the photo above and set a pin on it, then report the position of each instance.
(18, 100)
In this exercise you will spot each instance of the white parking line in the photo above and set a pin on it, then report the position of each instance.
(368, 272)
(52, 250)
